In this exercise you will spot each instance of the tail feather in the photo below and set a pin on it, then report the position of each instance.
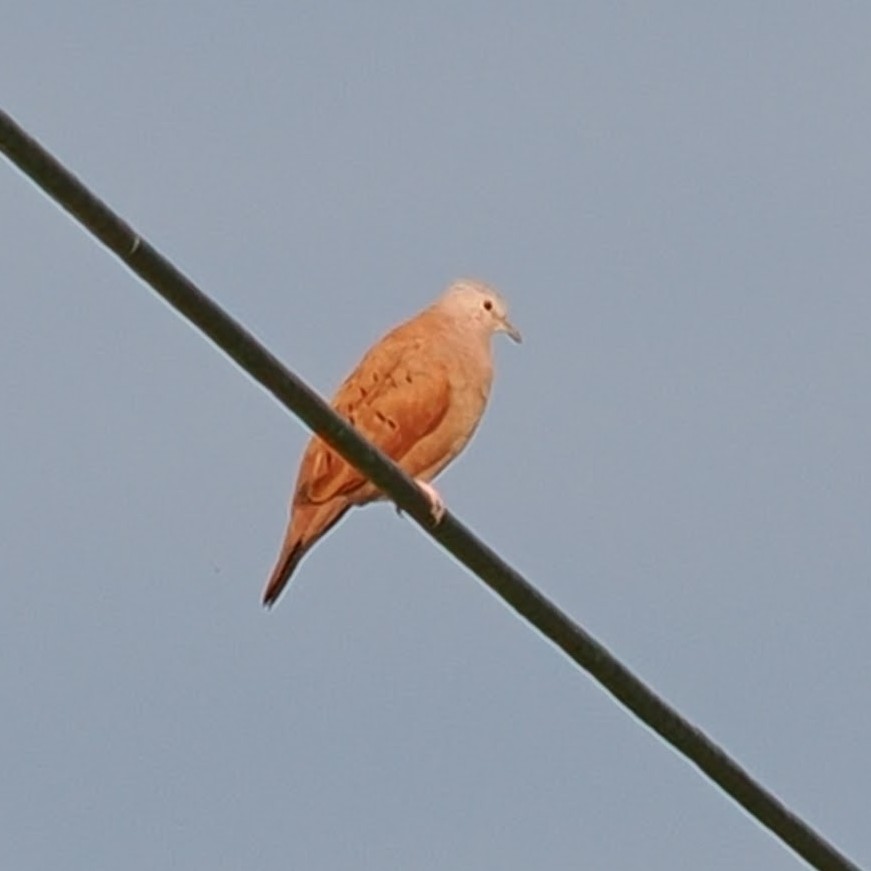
(287, 562)
(308, 523)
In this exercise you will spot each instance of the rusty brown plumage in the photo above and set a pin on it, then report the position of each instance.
(418, 395)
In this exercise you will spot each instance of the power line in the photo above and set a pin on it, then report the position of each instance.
(180, 292)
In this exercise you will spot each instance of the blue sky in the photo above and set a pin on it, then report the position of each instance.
(676, 204)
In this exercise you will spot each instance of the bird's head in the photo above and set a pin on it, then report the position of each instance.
(477, 303)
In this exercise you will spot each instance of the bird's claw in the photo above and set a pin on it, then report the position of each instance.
(437, 506)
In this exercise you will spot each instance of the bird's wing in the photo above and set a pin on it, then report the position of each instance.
(397, 396)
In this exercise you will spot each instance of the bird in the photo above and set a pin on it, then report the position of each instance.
(418, 394)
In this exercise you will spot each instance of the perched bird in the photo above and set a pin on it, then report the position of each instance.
(418, 395)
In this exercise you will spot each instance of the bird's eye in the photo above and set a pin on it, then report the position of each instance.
(488, 304)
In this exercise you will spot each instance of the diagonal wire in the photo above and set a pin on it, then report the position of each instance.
(178, 290)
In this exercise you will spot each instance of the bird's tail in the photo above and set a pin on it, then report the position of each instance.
(288, 560)
(307, 525)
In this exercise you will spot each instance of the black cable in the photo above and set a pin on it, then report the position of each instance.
(295, 395)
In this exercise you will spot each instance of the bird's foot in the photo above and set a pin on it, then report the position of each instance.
(437, 506)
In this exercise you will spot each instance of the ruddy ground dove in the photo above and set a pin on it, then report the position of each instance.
(418, 395)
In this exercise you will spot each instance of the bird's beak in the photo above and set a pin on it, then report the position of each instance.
(513, 332)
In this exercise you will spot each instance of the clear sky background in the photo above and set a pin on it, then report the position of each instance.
(675, 200)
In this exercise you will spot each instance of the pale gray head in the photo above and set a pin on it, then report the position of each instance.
(478, 305)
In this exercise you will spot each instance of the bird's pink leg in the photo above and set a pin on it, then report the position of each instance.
(437, 506)
(436, 503)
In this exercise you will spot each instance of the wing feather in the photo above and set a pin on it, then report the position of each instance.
(396, 397)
